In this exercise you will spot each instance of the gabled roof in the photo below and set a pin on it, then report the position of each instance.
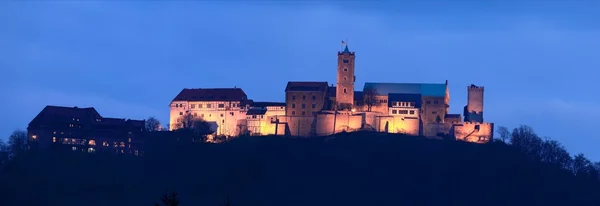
(256, 111)
(211, 94)
(306, 87)
(424, 89)
(59, 113)
(268, 104)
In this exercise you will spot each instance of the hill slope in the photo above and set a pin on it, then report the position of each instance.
(352, 169)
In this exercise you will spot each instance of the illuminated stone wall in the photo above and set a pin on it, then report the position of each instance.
(231, 120)
(433, 129)
(468, 131)
(344, 121)
(397, 124)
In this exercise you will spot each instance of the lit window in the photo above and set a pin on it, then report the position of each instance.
(34, 137)
(92, 142)
(122, 144)
(74, 148)
(104, 143)
(91, 150)
(54, 132)
(129, 139)
(53, 139)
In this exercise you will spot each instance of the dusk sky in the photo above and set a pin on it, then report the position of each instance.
(538, 61)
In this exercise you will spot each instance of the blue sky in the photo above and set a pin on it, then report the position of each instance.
(537, 60)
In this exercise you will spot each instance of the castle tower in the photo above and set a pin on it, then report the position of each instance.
(345, 79)
(474, 108)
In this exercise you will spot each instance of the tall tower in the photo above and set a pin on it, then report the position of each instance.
(474, 108)
(344, 95)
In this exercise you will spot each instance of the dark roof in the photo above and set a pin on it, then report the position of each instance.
(425, 89)
(59, 115)
(393, 97)
(306, 86)
(332, 91)
(256, 111)
(358, 96)
(211, 94)
(268, 104)
(452, 115)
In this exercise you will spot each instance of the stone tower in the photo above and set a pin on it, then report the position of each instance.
(345, 80)
(474, 108)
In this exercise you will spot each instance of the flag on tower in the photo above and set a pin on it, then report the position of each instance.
(343, 42)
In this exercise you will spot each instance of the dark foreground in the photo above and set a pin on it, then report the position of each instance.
(357, 169)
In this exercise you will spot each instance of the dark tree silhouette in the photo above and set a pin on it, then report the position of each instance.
(503, 133)
(152, 124)
(17, 143)
(169, 199)
(370, 98)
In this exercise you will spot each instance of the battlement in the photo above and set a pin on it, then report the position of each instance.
(475, 123)
(473, 87)
(348, 53)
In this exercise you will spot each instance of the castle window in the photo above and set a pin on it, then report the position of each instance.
(221, 105)
(345, 91)
(294, 97)
(345, 78)
(412, 112)
(402, 111)
(199, 105)
(208, 105)
(436, 102)
(303, 106)
(231, 113)
(293, 105)
(394, 111)
(314, 106)
(201, 115)
(195, 114)
(433, 112)
(345, 61)
(314, 97)
(180, 113)
(92, 142)
(193, 106)
(253, 116)
(303, 113)
(428, 102)
(345, 69)
(476, 127)
(412, 104)
(293, 112)
(53, 139)
(303, 98)
(221, 115)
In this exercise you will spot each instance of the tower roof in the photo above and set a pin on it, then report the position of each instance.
(346, 49)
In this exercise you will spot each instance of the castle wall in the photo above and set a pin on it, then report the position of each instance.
(344, 121)
(230, 118)
(396, 124)
(297, 125)
(474, 132)
(301, 103)
(433, 129)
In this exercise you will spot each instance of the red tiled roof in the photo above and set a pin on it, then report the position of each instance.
(306, 86)
(211, 94)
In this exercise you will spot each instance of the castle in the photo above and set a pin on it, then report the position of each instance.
(317, 108)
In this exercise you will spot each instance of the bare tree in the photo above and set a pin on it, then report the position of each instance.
(370, 98)
(581, 165)
(17, 143)
(504, 133)
(193, 123)
(554, 153)
(152, 124)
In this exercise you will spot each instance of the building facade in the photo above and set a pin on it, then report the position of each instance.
(84, 129)
(316, 108)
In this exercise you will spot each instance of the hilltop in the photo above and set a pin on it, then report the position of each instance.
(345, 169)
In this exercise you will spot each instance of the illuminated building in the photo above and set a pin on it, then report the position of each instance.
(84, 129)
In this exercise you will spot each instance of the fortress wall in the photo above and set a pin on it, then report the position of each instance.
(433, 129)
(344, 121)
(397, 124)
(467, 131)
